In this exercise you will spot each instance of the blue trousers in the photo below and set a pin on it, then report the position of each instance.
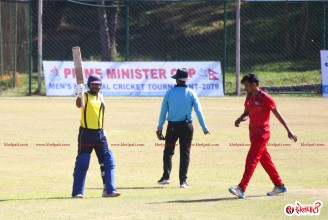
(89, 139)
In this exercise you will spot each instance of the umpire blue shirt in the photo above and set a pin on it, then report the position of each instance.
(178, 103)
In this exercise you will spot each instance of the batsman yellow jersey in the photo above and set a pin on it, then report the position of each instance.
(92, 116)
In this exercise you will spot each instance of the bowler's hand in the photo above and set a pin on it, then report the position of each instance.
(292, 136)
(237, 122)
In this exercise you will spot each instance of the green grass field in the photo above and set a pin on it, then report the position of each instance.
(36, 181)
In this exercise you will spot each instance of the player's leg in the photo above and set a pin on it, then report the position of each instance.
(100, 157)
(109, 163)
(102, 173)
(101, 152)
(185, 139)
(253, 157)
(271, 170)
(80, 171)
(81, 164)
(258, 145)
(170, 140)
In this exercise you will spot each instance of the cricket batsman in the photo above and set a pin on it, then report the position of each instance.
(92, 136)
(258, 105)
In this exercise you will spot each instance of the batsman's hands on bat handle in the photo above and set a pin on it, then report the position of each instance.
(79, 90)
(79, 94)
(292, 136)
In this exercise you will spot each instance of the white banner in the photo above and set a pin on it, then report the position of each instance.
(324, 72)
(134, 78)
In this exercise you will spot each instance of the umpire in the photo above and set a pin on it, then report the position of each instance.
(177, 105)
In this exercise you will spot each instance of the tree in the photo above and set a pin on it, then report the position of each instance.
(107, 30)
(303, 29)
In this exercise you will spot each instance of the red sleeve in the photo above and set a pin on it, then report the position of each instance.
(269, 102)
(246, 101)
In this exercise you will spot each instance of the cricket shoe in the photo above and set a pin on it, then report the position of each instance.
(277, 190)
(78, 196)
(112, 194)
(163, 181)
(184, 185)
(237, 192)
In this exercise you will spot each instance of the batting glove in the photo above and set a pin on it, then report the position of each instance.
(79, 90)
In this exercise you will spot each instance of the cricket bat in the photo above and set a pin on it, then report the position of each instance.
(77, 58)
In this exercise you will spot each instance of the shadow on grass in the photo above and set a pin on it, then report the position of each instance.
(156, 187)
(208, 200)
(50, 198)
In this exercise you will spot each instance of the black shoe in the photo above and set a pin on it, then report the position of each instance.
(163, 181)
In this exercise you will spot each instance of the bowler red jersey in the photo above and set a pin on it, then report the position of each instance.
(259, 108)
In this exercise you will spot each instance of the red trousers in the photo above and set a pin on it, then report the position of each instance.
(258, 152)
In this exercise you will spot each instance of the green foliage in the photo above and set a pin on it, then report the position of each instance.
(278, 40)
(22, 86)
(271, 76)
(5, 83)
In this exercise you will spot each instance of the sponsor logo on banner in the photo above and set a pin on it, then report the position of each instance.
(134, 78)
(54, 74)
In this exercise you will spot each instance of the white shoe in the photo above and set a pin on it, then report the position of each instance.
(184, 185)
(237, 192)
(112, 194)
(78, 196)
(277, 190)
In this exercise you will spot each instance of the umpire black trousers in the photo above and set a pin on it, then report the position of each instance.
(184, 132)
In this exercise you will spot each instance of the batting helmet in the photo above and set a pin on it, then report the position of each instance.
(94, 78)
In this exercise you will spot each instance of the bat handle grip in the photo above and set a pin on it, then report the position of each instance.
(82, 99)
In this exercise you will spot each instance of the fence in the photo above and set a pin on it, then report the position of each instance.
(14, 42)
(280, 41)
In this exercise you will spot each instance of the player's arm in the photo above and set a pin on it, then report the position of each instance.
(78, 102)
(291, 134)
(242, 118)
(162, 117)
(199, 112)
